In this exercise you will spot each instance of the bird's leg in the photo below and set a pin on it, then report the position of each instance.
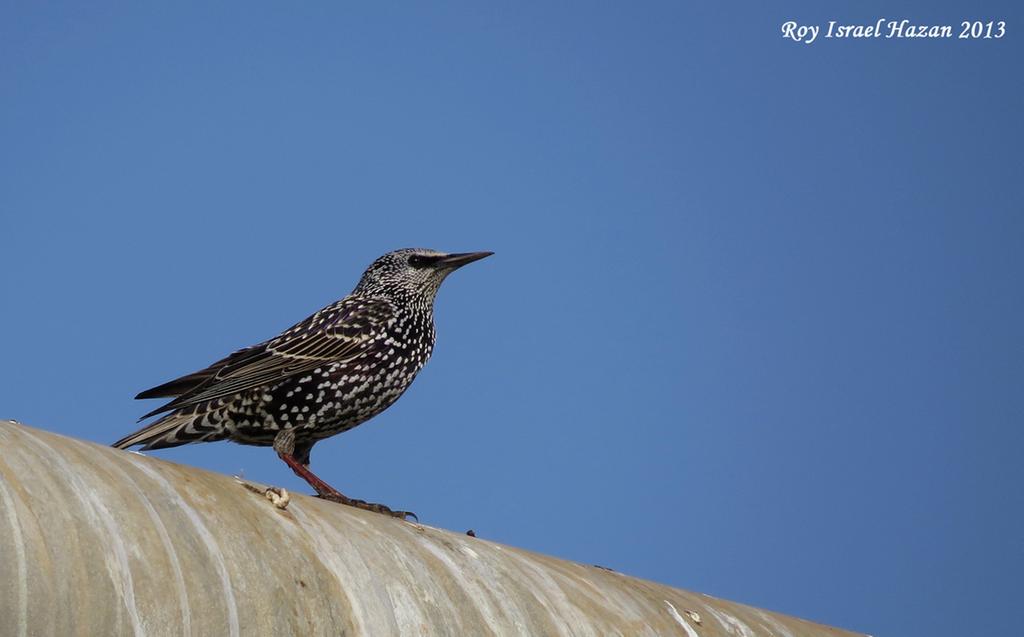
(284, 445)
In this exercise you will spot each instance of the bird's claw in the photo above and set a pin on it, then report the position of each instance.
(367, 506)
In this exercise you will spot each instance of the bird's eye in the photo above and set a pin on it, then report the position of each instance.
(417, 261)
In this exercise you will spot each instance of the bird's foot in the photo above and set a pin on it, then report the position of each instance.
(284, 444)
(366, 506)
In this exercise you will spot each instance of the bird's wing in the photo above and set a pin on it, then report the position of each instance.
(189, 382)
(337, 333)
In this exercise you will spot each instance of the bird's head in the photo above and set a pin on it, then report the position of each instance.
(413, 272)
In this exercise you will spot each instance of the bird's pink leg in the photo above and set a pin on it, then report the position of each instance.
(322, 488)
(284, 445)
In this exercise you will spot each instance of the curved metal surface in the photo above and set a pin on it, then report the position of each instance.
(96, 541)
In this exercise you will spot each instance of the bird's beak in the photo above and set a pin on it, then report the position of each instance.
(462, 258)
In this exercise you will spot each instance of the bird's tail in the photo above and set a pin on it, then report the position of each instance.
(172, 430)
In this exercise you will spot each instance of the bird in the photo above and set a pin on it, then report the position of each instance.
(326, 374)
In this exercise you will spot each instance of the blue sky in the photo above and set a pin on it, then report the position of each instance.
(753, 325)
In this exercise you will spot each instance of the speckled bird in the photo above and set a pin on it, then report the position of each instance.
(325, 375)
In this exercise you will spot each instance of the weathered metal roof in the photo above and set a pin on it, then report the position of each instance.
(96, 541)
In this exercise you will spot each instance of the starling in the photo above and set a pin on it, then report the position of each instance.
(335, 370)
